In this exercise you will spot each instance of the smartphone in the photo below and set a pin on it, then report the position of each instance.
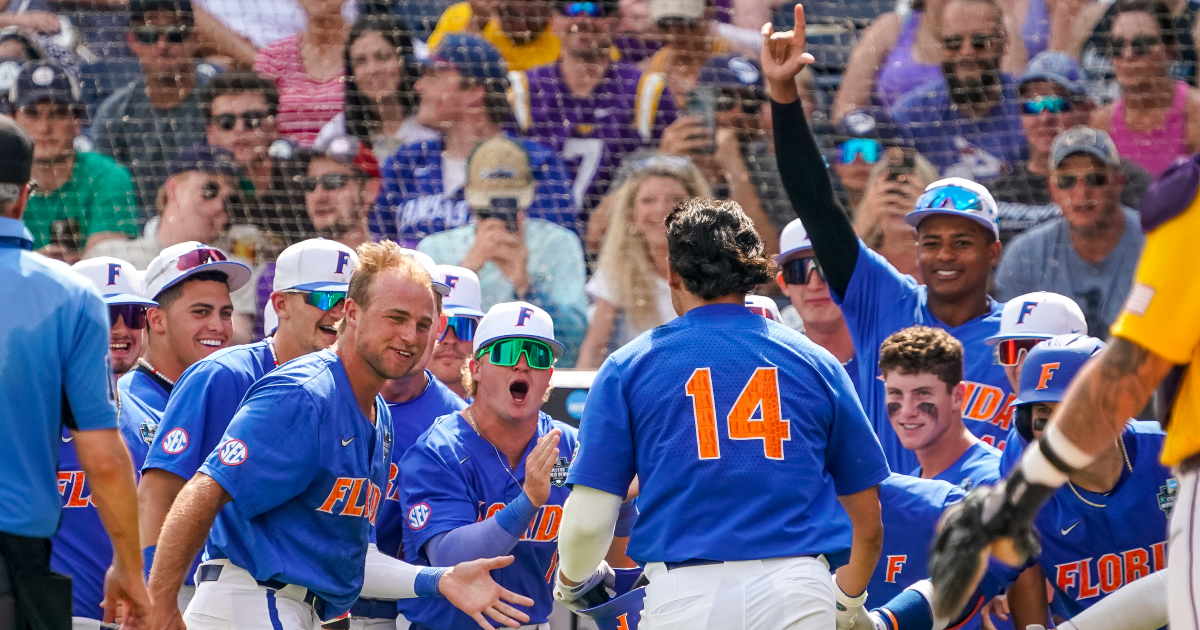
(702, 102)
(503, 208)
(900, 162)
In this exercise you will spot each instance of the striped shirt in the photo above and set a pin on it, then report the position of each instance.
(305, 104)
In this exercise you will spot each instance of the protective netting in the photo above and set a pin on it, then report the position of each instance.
(358, 121)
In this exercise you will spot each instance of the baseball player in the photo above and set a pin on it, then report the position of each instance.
(744, 437)
(801, 279)
(462, 307)
(304, 465)
(922, 371)
(309, 284)
(958, 245)
(80, 547)
(1154, 333)
(490, 480)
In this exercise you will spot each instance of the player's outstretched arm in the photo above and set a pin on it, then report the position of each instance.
(589, 520)
(109, 469)
(183, 533)
(470, 587)
(155, 494)
(850, 580)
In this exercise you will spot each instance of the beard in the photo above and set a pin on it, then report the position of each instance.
(973, 90)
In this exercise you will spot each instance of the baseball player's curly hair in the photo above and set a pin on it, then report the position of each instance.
(713, 247)
(921, 349)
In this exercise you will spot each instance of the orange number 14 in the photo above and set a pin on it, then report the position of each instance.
(761, 391)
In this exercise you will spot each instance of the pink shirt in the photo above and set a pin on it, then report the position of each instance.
(1153, 151)
(305, 104)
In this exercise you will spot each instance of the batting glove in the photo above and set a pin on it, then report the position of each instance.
(597, 589)
(848, 607)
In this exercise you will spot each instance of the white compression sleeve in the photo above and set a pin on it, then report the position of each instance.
(1139, 605)
(387, 577)
(589, 518)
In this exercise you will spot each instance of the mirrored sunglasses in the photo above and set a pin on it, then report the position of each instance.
(869, 149)
(949, 197)
(1009, 352)
(801, 270)
(507, 352)
(464, 328)
(133, 314)
(1049, 104)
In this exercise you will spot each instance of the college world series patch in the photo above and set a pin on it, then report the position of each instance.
(1166, 495)
(148, 429)
(558, 474)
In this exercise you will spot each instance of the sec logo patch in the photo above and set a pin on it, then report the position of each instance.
(233, 452)
(418, 516)
(175, 442)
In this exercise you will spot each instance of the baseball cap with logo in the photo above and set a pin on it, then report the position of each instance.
(793, 242)
(180, 262)
(426, 261)
(44, 81)
(765, 306)
(471, 55)
(691, 10)
(1056, 67)
(206, 159)
(1039, 315)
(118, 281)
(315, 265)
(1082, 139)
(872, 123)
(465, 298)
(732, 72)
(349, 151)
(958, 197)
(499, 168)
(516, 320)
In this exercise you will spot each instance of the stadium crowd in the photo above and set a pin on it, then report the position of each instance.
(530, 151)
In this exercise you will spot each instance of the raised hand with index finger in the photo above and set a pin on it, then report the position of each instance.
(783, 57)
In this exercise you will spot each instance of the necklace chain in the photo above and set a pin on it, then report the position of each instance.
(1128, 464)
(271, 345)
(146, 364)
(466, 413)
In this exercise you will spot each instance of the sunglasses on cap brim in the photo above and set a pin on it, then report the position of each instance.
(507, 352)
(949, 197)
(1009, 352)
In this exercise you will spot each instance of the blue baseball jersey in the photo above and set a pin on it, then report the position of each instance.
(911, 509)
(81, 547)
(414, 204)
(978, 466)
(742, 433)
(306, 471)
(143, 400)
(880, 301)
(1012, 452)
(1090, 551)
(202, 404)
(409, 420)
(454, 478)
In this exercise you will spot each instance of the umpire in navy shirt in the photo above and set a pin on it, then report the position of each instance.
(54, 371)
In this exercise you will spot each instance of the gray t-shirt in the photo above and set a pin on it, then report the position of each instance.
(145, 138)
(1043, 259)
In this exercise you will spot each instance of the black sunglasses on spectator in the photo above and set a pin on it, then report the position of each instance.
(149, 34)
(1095, 179)
(328, 181)
(726, 102)
(1141, 45)
(210, 189)
(979, 41)
(252, 119)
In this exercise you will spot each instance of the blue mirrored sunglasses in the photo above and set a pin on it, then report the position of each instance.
(1049, 104)
(949, 198)
(583, 9)
(869, 149)
(323, 300)
(464, 328)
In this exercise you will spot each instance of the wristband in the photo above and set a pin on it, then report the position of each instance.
(148, 560)
(428, 581)
(1064, 450)
(516, 516)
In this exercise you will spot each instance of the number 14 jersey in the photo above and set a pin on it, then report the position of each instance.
(742, 433)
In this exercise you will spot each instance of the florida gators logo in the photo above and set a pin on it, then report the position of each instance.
(418, 516)
(233, 452)
(175, 441)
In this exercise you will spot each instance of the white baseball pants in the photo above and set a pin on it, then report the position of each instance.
(237, 601)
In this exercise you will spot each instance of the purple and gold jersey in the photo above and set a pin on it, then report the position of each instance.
(592, 133)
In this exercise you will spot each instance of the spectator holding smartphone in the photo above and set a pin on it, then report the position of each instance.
(893, 185)
(518, 258)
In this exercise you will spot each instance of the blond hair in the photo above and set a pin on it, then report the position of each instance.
(383, 256)
(923, 170)
(625, 262)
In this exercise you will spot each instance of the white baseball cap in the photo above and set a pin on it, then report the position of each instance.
(464, 298)
(179, 262)
(315, 265)
(118, 281)
(426, 261)
(793, 242)
(1039, 315)
(765, 306)
(516, 320)
(960, 197)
